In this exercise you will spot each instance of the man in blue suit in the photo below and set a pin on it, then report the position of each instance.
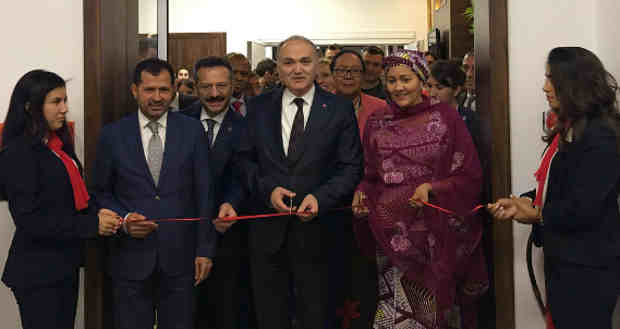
(219, 298)
(153, 165)
(301, 155)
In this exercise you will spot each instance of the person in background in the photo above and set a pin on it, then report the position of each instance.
(151, 165)
(254, 88)
(182, 73)
(241, 75)
(185, 87)
(430, 58)
(360, 261)
(574, 210)
(446, 84)
(469, 66)
(41, 178)
(324, 78)
(371, 82)
(431, 266)
(331, 51)
(266, 70)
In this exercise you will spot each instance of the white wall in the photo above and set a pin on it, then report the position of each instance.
(535, 28)
(251, 20)
(45, 34)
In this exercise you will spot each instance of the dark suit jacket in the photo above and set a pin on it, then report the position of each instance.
(581, 219)
(225, 185)
(49, 233)
(124, 184)
(328, 165)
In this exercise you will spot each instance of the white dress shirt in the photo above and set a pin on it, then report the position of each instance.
(146, 132)
(289, 109)
(219, 119)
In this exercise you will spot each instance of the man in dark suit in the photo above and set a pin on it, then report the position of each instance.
(219, 297)
(302, 154)
(153, 165)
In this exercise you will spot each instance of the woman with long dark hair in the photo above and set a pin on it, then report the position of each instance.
(431, 267)
(41, 179)
(574, 208)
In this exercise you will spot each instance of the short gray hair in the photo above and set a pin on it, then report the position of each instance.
(298, 38)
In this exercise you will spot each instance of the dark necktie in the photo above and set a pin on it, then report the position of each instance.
(297, 130)
(210, 130)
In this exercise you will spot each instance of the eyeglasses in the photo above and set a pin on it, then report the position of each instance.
(341, 72)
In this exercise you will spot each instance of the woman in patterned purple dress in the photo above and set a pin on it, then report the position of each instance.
(431, 266)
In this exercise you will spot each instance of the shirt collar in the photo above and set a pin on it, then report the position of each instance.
(219, 118)
(289, 97)
(143, 120)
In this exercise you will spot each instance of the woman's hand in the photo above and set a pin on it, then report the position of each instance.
(420, 195)
(519, 209)
(359, 210)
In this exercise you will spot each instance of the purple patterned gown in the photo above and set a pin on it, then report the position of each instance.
(431, 266)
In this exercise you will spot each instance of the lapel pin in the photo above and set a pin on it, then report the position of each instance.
(324, 106)
(229, 129)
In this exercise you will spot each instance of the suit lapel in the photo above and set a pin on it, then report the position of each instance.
(274, 122)
(135, 147)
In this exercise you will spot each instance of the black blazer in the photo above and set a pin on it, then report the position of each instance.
(329, 163)
(581, 219)
(124, 184)
(49, 233)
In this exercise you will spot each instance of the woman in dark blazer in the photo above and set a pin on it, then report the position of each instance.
(41, 179)
(574, 209)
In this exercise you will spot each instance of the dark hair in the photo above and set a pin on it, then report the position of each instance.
(428, 53)
(153, 66)
(373, 50)
(212, 61)
(25, 115)
(236, 56)
(334, 47)
(182, 68)
(470, 53)
(448, 73)
(149, 42)
(264, 66)
(189, 83)
(584, 89)
(347, 51)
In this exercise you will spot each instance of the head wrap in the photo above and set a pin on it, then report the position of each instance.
(410, 58)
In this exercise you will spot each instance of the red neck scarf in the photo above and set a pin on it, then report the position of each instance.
(80, 195)
(543, 170)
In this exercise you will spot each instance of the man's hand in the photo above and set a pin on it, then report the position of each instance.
(277, 199)
(420, 195)
(359, 210)
(203, 268)
(308, 209)
(109, 222)
(138, 227)
(226, 210)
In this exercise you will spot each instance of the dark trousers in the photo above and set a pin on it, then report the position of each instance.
(49, 307)
(302, 259)
(580, 296)
(220, 297)
(135, 302)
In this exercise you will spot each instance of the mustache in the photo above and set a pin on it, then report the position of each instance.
(215, 99)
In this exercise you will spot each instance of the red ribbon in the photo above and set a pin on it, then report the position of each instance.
(279, 214)
(450, 212)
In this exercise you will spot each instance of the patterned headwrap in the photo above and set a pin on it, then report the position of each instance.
(410, 58)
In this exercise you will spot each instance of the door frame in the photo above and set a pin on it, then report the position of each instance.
(109, 57)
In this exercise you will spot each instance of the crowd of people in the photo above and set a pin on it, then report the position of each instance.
(348, 152)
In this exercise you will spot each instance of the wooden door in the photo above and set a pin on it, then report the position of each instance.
(184, 49)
